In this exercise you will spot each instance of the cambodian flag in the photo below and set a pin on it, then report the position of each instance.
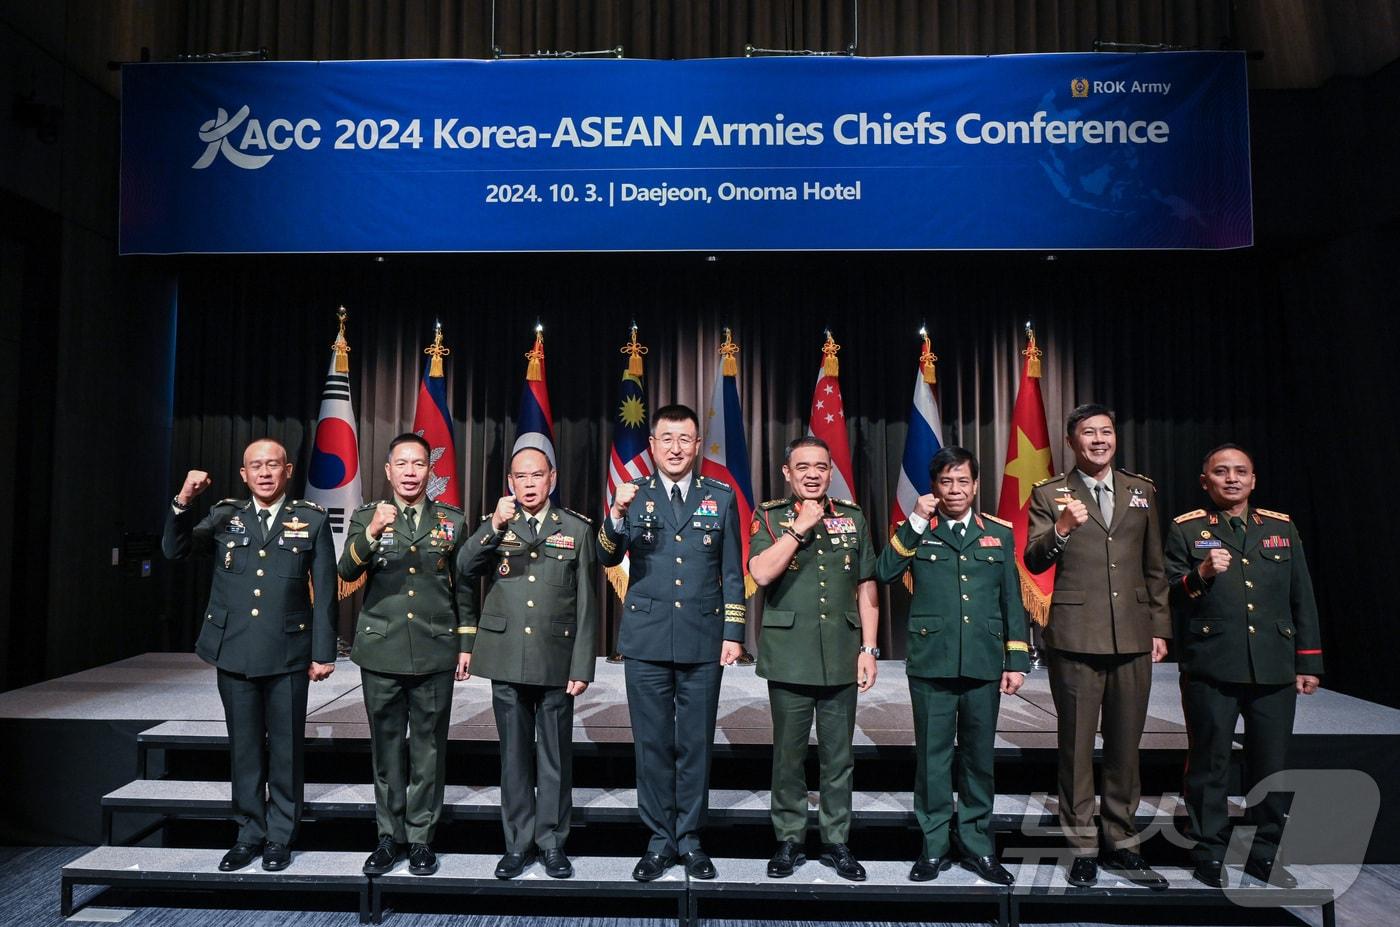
(333, 480)
(535, 424)
(726, 455)
(432, 421)
(925, 439)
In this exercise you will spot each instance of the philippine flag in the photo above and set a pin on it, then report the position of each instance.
(726, 455)
(432, 421)
(535, 424)
(333, 481)
(925, 439)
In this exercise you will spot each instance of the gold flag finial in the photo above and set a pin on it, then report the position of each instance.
(534, 370)
(340, 346)
(437, 351)
(729, 351)
(634, 350)
(927, 358)
(1032, 353)
(831, 367)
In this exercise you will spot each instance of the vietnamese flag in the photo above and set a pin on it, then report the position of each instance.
(1027, 463)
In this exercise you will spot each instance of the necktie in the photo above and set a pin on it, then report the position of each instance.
(1105, 497)
(265, 517)
(534, 526)
(1237, 523)
(676, 505)
(411, 514)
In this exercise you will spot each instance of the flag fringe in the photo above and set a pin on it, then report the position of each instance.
(345, 590)
(750, 587)
(617, 578)
(909, 581)
(1036, 602)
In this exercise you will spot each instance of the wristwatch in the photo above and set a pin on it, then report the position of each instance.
(873, 651)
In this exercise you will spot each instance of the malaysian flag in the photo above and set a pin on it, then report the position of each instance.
(630, 456)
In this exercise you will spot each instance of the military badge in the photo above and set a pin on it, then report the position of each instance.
(847, 565)
(559, 540)
(1205, 534)
(840, 525)
(988, 541)
(444, 531)
(296, 528)
(228, 559)
(1274, 541)
(753, 527)
(1139, 502)
(651, 506)
(504, 568)
(235, 526)
(709, 539)
(708, 507)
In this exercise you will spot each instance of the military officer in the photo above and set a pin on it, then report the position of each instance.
(264, 635)
(682, 619)
(1109, 622)
(813, 557)
(410, 642)
(536, 640)
(1248, 632)
(964, 567)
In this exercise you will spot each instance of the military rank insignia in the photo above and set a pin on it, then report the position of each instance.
(296, 528)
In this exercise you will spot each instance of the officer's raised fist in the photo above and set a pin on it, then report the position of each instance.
(809, 512)
(1217, 561)
(196, 481)
(623, 500)
(1075, 513)
(924, 505)
(505, 511)
(384, 515)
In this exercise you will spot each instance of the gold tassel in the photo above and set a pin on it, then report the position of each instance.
(831, 367)
(345, 590)
(634, 350)
(926, 360)
(534, 369)
(436, 351)
(617, 578)
(1036, 602)
(341, 346)
(909, 582)
(729, 351)
(750, 587)
(1032, 354)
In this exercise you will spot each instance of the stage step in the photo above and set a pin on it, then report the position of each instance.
(194, 799)
(198, 870)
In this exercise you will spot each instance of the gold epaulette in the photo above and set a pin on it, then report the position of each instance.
(847, 503)
(772, 504)
(449, 506)
(583, 518)
(1145, 479)
(1188, 516)
(1048, 479)
(1279, 515)
(1001, 521)
(303, 503)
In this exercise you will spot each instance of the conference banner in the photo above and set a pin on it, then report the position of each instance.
(1043, 152)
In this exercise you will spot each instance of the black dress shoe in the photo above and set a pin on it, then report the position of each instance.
(240, 855)
(512, 864)
(652, 866)
(988, 868)
(557, 865)
(1210, 872)
(1083, 872)
(926, 870)
(276, 856)
(698, 865)
(786, 859)
(1270, 871)
(1128, 865)
(385, 856)
(838, 857)
(422, 861)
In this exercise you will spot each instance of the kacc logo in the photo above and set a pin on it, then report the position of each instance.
(281, 134)
(215, 133)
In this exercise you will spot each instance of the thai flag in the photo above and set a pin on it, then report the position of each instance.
(726, 455)
(534, 427)
(432, 421)
(925, 439)
(333, 480)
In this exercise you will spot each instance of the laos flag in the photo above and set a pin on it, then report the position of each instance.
(432, 421)
(535, 425)
(333, 480)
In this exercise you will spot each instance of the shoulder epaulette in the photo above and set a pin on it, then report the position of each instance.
(1145, 479)
(1279, 515)
(304, 504)
(772, 504)
(583, 518)
(1049, 479)
(449, 506)
(370, 505)
(1001, 521)
(1189, 516)
(639, 480)
(233, 502)
(711, 481)
(847, 503)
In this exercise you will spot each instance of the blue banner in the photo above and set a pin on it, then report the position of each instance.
(1044, 152)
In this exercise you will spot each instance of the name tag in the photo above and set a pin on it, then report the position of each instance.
(840, 525)
(387, 538)
(564, 542)
(1209, 544)
(295, 534)
(235, 526)
(986, 541)
(708, 507)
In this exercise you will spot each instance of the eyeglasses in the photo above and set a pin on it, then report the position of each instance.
(670, 441)
(272, 466)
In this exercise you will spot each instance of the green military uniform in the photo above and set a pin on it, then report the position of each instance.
(262, 632)
(408, 635)
(966, 627)
(538, 629)
(808, 653)
(1245, 635)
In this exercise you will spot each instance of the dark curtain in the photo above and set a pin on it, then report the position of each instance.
(1288, 354)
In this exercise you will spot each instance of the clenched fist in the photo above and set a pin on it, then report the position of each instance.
(809, 512)
(1216, 562)
(384, 515)
(1075, 513)
(505, 511)
(924, 506)
(196, 481)
(623, 500)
